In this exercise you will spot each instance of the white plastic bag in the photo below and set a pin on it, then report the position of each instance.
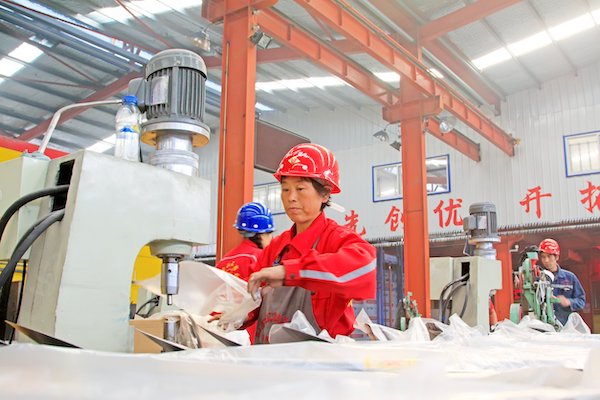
(417, 330)
(204, 289)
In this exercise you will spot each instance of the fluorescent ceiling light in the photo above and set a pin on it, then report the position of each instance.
(495, 57)
(388, 76)
(303, 83)
(103, 145)
(541, 39)
(530, 43)
(572, 27)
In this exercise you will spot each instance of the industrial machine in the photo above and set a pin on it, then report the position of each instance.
(79, 275)
(536, 288)
(464, 285)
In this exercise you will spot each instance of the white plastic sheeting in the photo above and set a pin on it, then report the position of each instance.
(516, 361)
(485, 369)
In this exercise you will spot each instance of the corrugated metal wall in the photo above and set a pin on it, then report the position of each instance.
(539, 118)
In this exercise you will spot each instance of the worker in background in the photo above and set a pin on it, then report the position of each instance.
(255, 224)
(566, 286)
(317, 266)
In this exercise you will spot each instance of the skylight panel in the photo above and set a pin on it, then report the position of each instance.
(9, 67)
(572, 27)
(596, 16)
(495, 57)
(530, 43)
(147, 7)
(103, 145)
(262, 107)
(26, 52)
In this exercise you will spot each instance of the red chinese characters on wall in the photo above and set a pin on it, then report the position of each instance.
(352, 222)
(590, 197)
(449, 214)
(394, 218)
(534, 195)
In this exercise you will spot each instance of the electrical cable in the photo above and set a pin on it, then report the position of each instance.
(154, 300)
(447, 301)
(449, 285)
(464, 307)
(26, 241)
(20, 301)
(13, 208)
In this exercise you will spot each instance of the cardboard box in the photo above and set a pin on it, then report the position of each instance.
(141, 344)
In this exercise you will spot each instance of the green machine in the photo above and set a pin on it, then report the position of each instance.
(536, 287)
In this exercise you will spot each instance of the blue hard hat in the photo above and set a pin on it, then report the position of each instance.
(254, 217)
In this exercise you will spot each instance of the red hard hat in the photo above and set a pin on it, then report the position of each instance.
(309, 160)
(550, 246)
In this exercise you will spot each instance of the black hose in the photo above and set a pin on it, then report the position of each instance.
(20, 301)
(14, 207)
(26, 241)
(154, 300)
(464, 307)
(448, 286)
(447, 300)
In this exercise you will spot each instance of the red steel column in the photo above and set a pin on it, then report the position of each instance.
(504, 297)
(416, 233)
(236, 148)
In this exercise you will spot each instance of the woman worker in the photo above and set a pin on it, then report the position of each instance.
(317, 266)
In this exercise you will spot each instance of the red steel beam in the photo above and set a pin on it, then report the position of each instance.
(114, 88)
(215, 10)
(283, 54)
(455, 140)
(236, 144)
(19, 145)
(461, 17)
(470, 77)
(411, 70)
(413, 109)
(430, 107)
(326, 57)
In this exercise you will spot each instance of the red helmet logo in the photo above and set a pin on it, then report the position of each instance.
(550, 246)
(311, 160)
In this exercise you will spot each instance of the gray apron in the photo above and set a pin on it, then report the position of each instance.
(279, 305)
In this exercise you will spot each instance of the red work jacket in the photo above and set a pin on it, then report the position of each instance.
(241, 261)
(331, 261)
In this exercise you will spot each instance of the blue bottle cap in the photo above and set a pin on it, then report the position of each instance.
(130, 99)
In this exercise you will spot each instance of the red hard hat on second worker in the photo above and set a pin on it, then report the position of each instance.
(311, 160)
(550, 246)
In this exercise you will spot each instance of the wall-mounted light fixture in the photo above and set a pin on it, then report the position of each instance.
(447, 124)
(260, 39)
(202, 39)
(384, 136)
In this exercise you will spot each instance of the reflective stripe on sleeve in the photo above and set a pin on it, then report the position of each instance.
(328, 276)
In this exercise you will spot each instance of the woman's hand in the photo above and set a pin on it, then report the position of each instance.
(272, 276)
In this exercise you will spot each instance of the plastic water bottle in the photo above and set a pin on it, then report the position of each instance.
(127, 123)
